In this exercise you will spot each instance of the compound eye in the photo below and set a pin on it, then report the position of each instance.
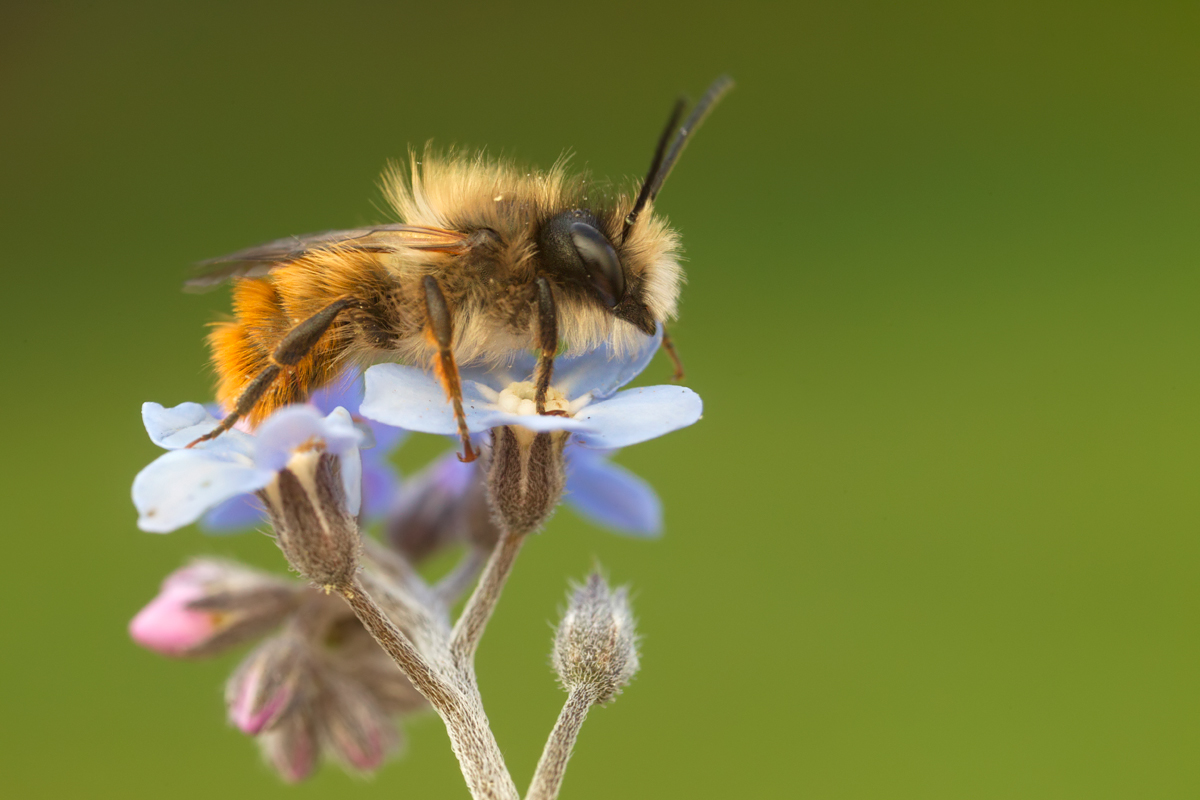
(600, 261)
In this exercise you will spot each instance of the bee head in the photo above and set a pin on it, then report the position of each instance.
(627, 265)
(574, 250)
(577, 250)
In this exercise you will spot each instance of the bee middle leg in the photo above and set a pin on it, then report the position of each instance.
(298, 342)
(441, 331)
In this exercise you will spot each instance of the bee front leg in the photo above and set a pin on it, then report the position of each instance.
(668, 344)
(441, 334)
(298, 342)
(547, 342)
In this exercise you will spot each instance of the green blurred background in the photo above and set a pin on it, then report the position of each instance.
(936, 535)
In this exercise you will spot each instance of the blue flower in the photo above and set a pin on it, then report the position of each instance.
(584, 387)
(179, 486)
(380, 480)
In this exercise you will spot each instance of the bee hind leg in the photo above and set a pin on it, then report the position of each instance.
(298, 342)
(441, 333)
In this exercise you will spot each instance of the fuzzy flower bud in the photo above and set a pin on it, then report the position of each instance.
(209, 606)
(292, 747)
(443, 505)
(354, 725)
(525, 478)
(358, 657)
(595, 647)
(273, 679)
(313, 525)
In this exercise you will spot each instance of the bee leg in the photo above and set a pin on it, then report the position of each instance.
(669, 345)
(298, 342)
(441, 332)
(547, 342)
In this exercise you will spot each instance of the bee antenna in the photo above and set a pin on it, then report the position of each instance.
(661, 166)
(655, 165)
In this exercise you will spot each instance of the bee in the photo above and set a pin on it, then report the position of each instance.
(489, 260)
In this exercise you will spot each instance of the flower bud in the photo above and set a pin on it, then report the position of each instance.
(313, 526)
(526, 475)
(273, 680)
(443, 505)
(595, 647)
(209, 606)
(292, 747)
(354, 725)
(360, 658)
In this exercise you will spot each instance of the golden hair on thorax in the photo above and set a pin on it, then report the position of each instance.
(487, 261)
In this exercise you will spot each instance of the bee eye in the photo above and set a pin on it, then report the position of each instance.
(572, 246)
(598, 256)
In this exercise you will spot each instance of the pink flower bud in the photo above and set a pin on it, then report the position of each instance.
(167, 625)
(267, 684)
(209, 606)
(355, 725)
(292, 748)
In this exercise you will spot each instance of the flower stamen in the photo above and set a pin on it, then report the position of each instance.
(521, 398)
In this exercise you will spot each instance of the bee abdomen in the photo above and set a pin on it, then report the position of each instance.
(242, 349)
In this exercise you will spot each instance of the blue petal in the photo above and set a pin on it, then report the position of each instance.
(340, 433)
(387, 437)
(380, 485)
(176, 428)
(347, 392)
(409, 397)
(637, 415)
(344, 390)
(292, 426)
(612, 496)
(176, 488)
(450, 475)
(598, 372)
(539, 423)
(497, 376)
(352, 476)
(235, 515)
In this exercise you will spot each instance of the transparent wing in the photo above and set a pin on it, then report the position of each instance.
(257, 261)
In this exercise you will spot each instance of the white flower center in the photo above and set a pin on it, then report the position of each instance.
(520, 398)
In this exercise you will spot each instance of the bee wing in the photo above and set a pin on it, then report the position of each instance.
(258, 261)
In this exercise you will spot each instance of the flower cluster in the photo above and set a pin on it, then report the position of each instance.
(366, 641)
(316, 682)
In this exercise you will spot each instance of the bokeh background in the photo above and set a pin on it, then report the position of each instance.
(937, 533)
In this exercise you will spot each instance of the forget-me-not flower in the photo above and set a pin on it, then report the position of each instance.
(380, 479)
(583, 391)
(179, 486)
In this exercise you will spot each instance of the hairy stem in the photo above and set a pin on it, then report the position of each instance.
(464, 641)
(475, 746)
(427, 680)
(547, 780)
(454, 696)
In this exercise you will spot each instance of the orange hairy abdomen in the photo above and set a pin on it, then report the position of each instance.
(242, 348)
